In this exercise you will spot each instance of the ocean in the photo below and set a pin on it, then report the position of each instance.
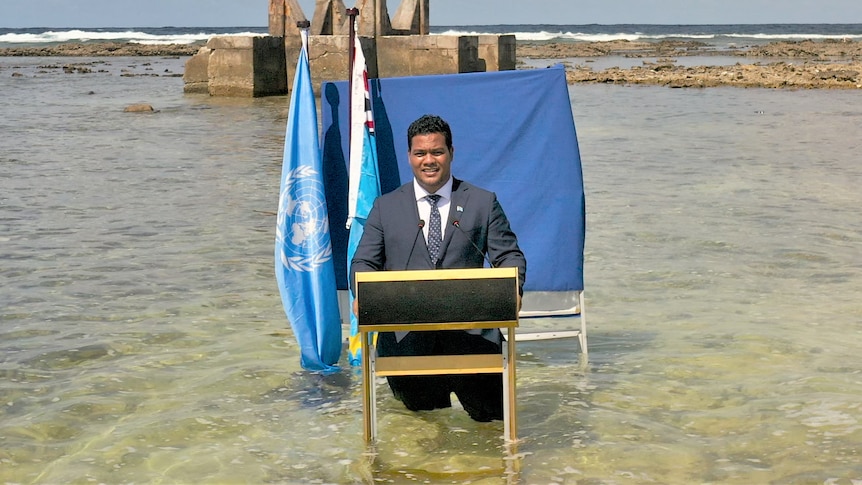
(142, 338)
(720, 35)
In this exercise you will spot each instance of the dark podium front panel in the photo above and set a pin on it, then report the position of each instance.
(437, 296)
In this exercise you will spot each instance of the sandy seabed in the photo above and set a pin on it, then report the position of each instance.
(833, 64)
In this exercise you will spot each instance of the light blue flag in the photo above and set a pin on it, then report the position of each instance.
(369, 189)
(364, 184)
(304, 268)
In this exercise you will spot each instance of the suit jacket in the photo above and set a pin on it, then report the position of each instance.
(393, 240)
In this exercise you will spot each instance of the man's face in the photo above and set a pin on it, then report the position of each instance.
(431, 160)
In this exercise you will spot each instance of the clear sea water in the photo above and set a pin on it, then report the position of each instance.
(142, 338)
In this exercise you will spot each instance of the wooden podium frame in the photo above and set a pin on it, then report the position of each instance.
(444, 299)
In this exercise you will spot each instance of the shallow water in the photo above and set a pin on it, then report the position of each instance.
(142, 337)
(606, 62)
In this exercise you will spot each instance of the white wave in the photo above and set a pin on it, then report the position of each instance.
(78, 35)
(576, 36)
(52, 37)
(679, 36)
(605, 37)
(584, 37)
(541, 36)
(795, 36)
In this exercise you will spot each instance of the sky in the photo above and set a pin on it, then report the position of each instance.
(253, 13)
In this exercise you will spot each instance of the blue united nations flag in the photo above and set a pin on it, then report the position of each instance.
(304, 268)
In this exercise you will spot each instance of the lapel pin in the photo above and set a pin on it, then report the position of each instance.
(459, 209)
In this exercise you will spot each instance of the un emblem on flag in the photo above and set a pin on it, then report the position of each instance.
(303, 223)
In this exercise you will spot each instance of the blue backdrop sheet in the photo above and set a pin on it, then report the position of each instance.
(513, 133)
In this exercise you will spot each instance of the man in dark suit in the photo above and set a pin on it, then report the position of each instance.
(438, 221)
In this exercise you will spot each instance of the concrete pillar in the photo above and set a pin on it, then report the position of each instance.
(378, 25)
(330, 18)
(497, 52)
(283, 16)
(411, 18)
(367, 19)
(276, 18)
(382, 24)
(424, 25)
(246, 66)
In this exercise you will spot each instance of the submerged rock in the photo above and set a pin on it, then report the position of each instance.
(139, 108)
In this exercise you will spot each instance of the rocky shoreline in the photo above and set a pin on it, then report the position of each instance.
(805, 64)
(831, 64)
(103, 49)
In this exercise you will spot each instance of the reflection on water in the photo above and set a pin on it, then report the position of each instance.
(142, 338)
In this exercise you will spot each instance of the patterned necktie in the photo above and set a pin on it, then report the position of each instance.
(435, 232)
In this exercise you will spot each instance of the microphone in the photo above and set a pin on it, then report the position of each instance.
(421, 225)
(457, 224)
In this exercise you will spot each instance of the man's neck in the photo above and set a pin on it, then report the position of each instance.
(445, 190)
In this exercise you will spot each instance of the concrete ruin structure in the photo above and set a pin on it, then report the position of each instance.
(393, 47)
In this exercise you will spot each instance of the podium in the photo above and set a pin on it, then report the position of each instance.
(443, 299)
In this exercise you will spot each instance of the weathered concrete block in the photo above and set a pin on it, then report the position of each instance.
(497, 52)
(261, 66)
(231, 42)
(231, 72)
(246, 66)
(291, 54)
(329, 58)
(451, 42)
(196, 76)
(420, 55)
(270, 71)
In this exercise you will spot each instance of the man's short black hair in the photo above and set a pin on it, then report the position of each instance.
(426, 125)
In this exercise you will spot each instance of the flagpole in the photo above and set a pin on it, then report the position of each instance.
(352, 13)
(364, 181)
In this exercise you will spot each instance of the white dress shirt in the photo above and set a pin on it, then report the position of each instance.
(424, 205)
